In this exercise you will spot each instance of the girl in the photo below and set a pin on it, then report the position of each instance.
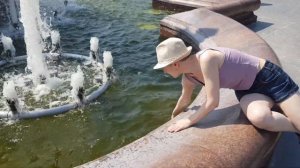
(258, 84)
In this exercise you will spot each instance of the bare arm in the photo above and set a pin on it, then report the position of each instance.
(185, 98)
(210, 69)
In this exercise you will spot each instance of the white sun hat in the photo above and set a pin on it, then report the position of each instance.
(170, 51)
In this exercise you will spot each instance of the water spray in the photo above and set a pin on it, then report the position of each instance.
(56, 47)
(108, 63)
(9, 50)
(47, 43)
(11, 96)
(77, 81)
(94, 49)
(33, 29)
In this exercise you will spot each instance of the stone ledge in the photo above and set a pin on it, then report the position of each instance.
(240, 10)
(225, 138)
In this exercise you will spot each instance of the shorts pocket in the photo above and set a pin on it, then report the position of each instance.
(269, 76)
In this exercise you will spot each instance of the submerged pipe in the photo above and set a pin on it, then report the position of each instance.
(55, 110)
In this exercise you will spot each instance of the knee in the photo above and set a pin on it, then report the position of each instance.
(261, 118)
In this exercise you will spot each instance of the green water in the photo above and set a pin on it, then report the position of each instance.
(139, 101)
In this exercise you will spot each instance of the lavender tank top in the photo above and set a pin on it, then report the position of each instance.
(238, 71)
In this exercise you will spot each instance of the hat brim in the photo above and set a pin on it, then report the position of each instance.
(162, 65)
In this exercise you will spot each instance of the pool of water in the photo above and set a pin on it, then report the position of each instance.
(138, 102)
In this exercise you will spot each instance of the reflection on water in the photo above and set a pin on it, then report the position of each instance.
(141, 99)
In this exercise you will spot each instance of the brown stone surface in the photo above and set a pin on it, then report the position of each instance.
(240, 10)
(212, 29)
(225, 138)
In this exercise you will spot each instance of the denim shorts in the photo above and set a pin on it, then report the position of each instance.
(273, 82)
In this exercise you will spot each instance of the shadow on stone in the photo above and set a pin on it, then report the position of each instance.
(266, 4)
(259, 25)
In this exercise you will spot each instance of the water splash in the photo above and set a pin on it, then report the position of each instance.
(8, 46)
(41, 90)
(30, 17)
(55, 37)
(56, 50)
(77, 81)
(94, 47)
(107, 59)
(11, 96)
(108, 63)
(9, 90)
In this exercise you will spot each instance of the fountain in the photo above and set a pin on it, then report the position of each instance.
(48, 74)
(77, 80)
(94, 53)
(7, 48)
(11, 96)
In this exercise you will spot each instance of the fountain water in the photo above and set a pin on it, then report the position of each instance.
(47, 75)
(108, 63)
(55, 51)
(35, 59)
(11, 96)
(8, 50)
(77, 81)
(94, 52)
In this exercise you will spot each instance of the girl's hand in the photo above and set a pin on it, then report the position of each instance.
(180, 125)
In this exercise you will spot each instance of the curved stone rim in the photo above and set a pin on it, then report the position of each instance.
(239, 10)
(225, 136)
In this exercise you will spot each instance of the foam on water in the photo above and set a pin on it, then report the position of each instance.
(9, 90)
(41, 90)
(55, 37)
(54, 82)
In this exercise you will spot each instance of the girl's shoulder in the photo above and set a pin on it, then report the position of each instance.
(211, 50)
(202, 51)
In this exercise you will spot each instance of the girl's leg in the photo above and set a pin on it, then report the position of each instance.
(257, 108)
(291, 108)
